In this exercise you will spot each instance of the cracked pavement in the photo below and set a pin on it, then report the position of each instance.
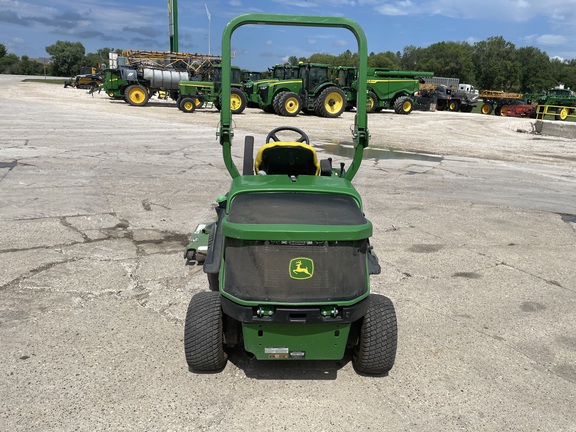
(476, 240)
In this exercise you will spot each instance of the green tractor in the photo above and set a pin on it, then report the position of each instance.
(276, 73)
(313, 92)
(288, 257)
(195, 94)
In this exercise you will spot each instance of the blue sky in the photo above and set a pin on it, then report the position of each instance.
(28, 26)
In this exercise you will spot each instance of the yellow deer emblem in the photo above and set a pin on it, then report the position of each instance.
(301, 268)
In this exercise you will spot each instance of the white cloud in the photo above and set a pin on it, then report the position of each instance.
(552, 40)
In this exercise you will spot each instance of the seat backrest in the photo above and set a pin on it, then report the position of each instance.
(290, 158)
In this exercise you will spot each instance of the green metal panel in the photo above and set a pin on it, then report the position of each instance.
(296, 342)
(360, 134)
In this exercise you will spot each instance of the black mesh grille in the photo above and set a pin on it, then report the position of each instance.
(261, 270)
(295, 208)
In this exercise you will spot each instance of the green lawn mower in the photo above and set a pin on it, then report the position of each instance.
(288, 256)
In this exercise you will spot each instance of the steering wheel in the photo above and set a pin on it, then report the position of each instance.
(273, 137)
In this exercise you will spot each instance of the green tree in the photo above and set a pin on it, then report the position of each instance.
(535, 70)
(27, 67)
(388, 60)
(410, 57)
(447, 59)
(2, 50)
(10, 64)
(67, 57)
(496, 65)
(563, 72)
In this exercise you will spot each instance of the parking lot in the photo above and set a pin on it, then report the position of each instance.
(474, 225)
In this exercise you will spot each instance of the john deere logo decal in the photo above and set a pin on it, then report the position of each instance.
(301, 268)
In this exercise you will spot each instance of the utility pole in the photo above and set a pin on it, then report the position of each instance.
(209, 32)
(173, 24)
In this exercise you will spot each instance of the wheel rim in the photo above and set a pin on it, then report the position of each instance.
(235, 102)
(334, 103)
(292, 105)
(188, 106)
(563, 113)
(370, 103)
(137, 95)
(504, 111)
(406, 106)
(486, 109)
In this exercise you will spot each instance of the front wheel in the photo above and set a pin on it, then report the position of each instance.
(330, 103)
(371, 102)
(290, 104)
(403, 105)
(238, 101)
(561, 113)
(486, 109)
(203, 333)
(375, 351)
(187, 104)
(136, 95)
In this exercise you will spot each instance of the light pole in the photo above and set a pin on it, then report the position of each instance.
(209, 21)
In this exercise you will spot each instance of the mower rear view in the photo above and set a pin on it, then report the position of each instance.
(288, 256)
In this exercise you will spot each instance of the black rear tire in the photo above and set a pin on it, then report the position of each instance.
(187, 104)
(403, 105)
(203, 333)
(277, 102)
(375, 351)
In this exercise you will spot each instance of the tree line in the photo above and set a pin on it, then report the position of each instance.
(66, 59)
(491, 64)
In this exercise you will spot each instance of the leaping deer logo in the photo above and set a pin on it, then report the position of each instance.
(301, 268)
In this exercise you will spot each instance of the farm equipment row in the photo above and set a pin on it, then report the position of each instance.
(194, 81)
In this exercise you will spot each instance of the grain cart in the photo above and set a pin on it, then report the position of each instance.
(387, 89)
(288, 255)
(195, 94)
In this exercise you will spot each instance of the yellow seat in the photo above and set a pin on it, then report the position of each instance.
(290, 158)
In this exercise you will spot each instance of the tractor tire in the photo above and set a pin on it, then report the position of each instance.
(498, 111)
(277, 102)
(290, 104)
(466, 108)
(561, 114)
(371, 102)
(403, 105)
(178, 102)
(454, 105)
(504, 110)
(136, 95)
(203, 333)
(187, 104)
(441, 105)
(330, 103)
(375, 351)
(487, 109)
(238, 101)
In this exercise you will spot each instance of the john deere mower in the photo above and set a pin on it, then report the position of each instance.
(288, 257)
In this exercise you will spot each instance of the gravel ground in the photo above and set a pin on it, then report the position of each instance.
(475, 232)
